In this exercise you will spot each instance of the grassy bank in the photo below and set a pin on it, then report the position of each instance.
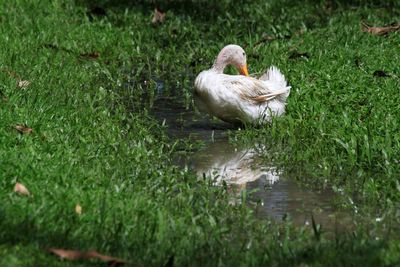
(92, 74)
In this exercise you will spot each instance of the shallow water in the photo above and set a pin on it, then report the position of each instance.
(286, 199)
(278, 197)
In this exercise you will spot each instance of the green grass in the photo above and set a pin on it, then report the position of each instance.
(105, 152)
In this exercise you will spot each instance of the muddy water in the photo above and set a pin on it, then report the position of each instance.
(278, 197)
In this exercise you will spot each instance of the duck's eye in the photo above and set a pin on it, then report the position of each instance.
(244, 53)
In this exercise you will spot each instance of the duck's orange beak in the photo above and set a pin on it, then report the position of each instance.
(243, 70)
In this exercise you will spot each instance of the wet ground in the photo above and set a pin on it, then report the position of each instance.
(278, 197)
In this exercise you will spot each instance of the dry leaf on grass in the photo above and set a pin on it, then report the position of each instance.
(89, 56)
(78, 209)
(20, 189)
(93, 55)
(13, 75)
(158, 16)
(74, 254)
(357, 62)
(380, 73)
(23, 83)
(378, 30)
(23, 129)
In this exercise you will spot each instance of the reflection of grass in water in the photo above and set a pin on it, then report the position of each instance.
(106, 153)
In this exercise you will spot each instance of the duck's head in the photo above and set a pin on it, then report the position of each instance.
(232, 55)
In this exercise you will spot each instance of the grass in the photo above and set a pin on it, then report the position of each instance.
(104, 151)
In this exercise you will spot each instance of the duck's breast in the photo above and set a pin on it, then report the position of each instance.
(213, 95)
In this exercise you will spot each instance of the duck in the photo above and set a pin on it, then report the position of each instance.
(240, 98)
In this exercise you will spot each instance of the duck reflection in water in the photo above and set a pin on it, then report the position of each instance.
(240, 168)
(235, 165)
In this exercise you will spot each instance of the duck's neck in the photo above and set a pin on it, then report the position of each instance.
(219, 63)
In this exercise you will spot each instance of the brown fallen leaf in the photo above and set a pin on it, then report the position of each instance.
(158, 16)
(13, 75)
(255, 56)
(380, 73)
(298, 54)
(357, 62)
(78, 209)
(93, 55)
(20, 189)
(23, 83)
(89, 56)
(23, 129)
(113, 261)
(379, 30)
(74, 254)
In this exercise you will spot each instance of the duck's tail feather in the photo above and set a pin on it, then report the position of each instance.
(275, 76)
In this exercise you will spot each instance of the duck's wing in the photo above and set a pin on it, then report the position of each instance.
(251, 89)
(270, 96)
(276, 80)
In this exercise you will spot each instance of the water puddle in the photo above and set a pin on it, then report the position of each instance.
(276, 197)
(184, 122)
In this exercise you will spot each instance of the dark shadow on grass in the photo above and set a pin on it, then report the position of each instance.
(207, 11)
(208, 14)
(348, 250)
(27, 232)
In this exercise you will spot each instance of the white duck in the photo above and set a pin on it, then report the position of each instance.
(238, 98)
